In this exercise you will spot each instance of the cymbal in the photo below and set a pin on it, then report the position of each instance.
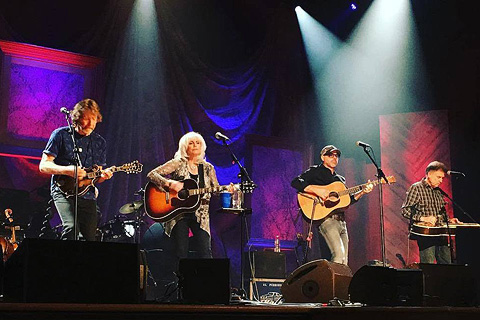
(131, 207)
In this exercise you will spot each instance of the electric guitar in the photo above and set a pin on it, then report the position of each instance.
(314, 208)
(164, 205)
(66, 184)
(423, 230)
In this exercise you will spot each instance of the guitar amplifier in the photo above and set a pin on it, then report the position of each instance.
(267, 265)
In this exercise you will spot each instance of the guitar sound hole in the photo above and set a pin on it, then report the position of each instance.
(332, 200)
(333, 197)
(183, 194)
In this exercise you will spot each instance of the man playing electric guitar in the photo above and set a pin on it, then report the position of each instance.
(58, 159)
(333, 227)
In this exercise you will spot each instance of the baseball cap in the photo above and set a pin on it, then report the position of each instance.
(329, 150)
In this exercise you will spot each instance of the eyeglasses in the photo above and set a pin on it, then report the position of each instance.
(331, 155)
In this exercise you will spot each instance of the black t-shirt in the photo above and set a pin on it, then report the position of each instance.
(317, 175)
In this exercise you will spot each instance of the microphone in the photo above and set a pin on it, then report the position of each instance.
(221, 136)
(64, 111)
(449, 172)
(362, 144)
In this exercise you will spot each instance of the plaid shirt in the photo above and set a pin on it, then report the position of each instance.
(423, 201)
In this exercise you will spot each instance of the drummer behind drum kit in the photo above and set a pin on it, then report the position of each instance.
(124, 228)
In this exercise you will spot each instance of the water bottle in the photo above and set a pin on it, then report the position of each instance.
(237, 197)
(277, 244)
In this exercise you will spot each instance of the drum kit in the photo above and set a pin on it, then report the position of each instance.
(126, 226)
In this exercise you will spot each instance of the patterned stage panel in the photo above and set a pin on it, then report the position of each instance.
(409, 141)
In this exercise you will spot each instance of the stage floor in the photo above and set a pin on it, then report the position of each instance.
(55, 311)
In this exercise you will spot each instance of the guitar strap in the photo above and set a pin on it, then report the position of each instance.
(201, 178)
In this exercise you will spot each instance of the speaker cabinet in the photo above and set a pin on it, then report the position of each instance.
(317, 281)
(268, 264)
(467, 252)
(205, 281)
(467, 240)
(43, 270)
(449, 284)
(383, 286)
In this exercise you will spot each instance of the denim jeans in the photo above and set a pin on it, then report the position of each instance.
(434, 248)
(336, 237)
(87, 216)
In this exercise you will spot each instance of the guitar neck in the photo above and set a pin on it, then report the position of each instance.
(96, 174)
(356, 189)
(192, 192)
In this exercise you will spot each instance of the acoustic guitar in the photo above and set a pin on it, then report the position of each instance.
(9, 245)
(164, 205)
(66, 184)
(314, 208)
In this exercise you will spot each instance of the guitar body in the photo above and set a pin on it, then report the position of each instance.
(315, 208)
(163, 206)
(323, 208)
(67, 185)
(8, 247)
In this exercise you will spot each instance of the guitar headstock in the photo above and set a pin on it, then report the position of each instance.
(247, 186)
(132, 167)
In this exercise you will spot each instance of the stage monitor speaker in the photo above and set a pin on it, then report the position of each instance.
(449, 285)
(205, 281)
(384, 286)
(268, 264)
(43, 270)
(317, 281)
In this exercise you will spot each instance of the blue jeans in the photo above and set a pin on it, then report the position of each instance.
(434, 248)
(336, 236)
(87, 216)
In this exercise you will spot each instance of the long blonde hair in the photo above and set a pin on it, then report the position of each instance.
(183, 145)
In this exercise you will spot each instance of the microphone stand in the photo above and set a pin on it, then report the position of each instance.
(380, 175)
(246, 186)
(447, 222)
(449, 232)
(76, 162)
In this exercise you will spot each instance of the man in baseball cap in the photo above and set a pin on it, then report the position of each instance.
(315, 181)
(327, 150)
